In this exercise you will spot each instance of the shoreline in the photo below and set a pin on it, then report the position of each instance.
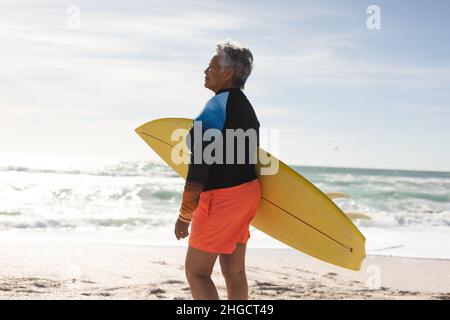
(152, 238)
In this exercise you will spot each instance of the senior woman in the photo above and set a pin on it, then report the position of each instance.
(221, 198)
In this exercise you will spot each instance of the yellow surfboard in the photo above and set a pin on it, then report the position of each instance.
(292, 210)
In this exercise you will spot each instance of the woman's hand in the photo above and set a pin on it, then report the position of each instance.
(181, 229)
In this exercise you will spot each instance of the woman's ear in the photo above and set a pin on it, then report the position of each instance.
(229, 73)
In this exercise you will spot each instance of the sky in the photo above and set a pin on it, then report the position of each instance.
(338, 93)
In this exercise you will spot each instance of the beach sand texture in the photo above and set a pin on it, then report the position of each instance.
(42, 269)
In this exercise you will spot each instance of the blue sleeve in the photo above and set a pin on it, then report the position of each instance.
(214, 114)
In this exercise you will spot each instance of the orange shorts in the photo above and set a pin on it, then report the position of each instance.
(223, 216)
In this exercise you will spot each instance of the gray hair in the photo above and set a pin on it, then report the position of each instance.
(235, 55)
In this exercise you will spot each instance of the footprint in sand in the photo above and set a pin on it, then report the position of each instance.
(44, 283)
(408, 293)
(272, 287)
(173, 282)
(5, 289)
(40, 285)
(443, 296)
(157, 291)
(28, 285)
(298, 296)
(29, 291)
(104, 294)
(261, 283)
(300, 270)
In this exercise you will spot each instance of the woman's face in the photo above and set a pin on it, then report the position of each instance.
(217, 77)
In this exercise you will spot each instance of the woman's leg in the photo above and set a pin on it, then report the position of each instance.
(233, 270)
(199, 267)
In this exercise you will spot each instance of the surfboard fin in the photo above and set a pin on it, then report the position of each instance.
(337, 195)
(357, 216)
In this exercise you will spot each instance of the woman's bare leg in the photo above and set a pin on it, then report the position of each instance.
(233, 270)
(199, 267)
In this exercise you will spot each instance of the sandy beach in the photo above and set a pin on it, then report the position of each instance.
(51, 269)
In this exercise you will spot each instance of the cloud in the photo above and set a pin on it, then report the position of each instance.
(329, 69)
(137, 60)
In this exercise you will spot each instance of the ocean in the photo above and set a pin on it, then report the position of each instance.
(137, 202)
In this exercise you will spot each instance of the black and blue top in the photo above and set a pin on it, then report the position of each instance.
(228, 109)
